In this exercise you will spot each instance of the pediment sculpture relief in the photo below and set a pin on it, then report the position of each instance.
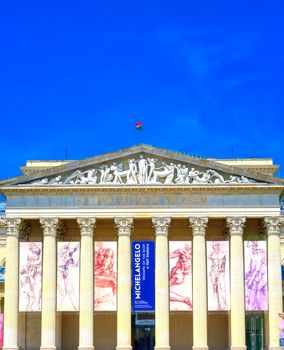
(143, 171)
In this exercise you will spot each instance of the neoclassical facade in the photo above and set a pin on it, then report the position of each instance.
(87, 242)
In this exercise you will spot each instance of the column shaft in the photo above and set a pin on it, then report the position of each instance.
(162, 334)
(124, 226)
(11, 301)
(48, 307)
(274, 278)
(86, 316)
(238, 336)
(199, 295)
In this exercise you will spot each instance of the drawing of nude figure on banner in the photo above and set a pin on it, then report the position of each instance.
(256, 275)
(180, 279)
(105, 273)
(30, 276)
(218, 275)
(68, 268)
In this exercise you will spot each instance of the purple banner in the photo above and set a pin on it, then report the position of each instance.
(218, 275)
(256, 275)
(68, 269)
(30, 276)
(180, 256)
(105, 261)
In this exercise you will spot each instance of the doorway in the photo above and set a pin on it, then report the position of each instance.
(143, 331)
(254, 332)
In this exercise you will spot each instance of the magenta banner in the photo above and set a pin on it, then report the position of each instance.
(68, 269)
(218, 275)
(180, 278)
(256, 275)
(30, 276)
(105, 274)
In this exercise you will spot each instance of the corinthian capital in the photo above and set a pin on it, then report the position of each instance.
(236, 225)
(13, 226)
(49, 226)
(198, 225)
(124, 225)
(161, 225)
(87, 226)
(272, 224)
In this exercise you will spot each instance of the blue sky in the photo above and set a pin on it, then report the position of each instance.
(205, 77)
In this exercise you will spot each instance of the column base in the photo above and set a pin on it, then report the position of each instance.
(270, 347)
(162, 347)
(86, 347)
(10, 347)
(48, 347)
(123, 347)
(205, 347)
(238, 347)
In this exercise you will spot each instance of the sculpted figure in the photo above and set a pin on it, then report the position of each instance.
(56, 181)
(182, 174)
(41, 182)
(88, 177)
(202, 179)
(218, 178)
(170, 175)
(131, 176)
(152, 165)
(142, 167)
(106, 177)
(192, 174)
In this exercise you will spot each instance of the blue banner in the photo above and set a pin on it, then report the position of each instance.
(143, 276)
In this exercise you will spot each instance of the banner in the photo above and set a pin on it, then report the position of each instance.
(30, 276)
(256, 275)
(180, 278)
(281, 329)
(105, 276)
(218, 275)
(68, 269)
(143, 276)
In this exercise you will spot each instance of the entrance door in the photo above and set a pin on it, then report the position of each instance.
(143, 331)
(254, 332)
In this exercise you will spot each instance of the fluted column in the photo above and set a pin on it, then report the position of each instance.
(86, 315)
(238, 336)
(11, 285)
(199, 296)
(162, 334)
(124, 227)
(48, 305)
(272, 225)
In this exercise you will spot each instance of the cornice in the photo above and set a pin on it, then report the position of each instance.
(145, 189)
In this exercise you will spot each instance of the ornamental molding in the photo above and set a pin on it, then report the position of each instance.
(272, 224)
(198, 225)
(236, 225)
(49, 226)
(143, 171)
(161, 225)
(124, 225)
(86, 226)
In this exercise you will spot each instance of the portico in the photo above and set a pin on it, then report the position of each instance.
(59, 206)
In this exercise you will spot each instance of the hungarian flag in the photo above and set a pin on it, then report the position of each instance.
(138, 126)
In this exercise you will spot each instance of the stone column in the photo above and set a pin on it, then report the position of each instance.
(86, 316)
(48, 304)
(199, 295)
(162, 334)
(124, 226)
(238, 335)
(272, 225)
(11, 301)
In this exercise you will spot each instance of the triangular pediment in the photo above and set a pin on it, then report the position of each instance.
(141, 165)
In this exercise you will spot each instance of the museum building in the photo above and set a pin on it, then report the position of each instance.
(143, 248)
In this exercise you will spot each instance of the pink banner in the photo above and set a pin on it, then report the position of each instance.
(256, 275)
(1, 329)
(218, 275)
(180, 278)
(68, 269)
(105, 273)
(30, 276)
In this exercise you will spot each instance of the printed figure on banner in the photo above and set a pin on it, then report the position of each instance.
(180, 256)
(105, 262)
(68, 254)
(256, 275)
(218, 275)
(30, 276)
